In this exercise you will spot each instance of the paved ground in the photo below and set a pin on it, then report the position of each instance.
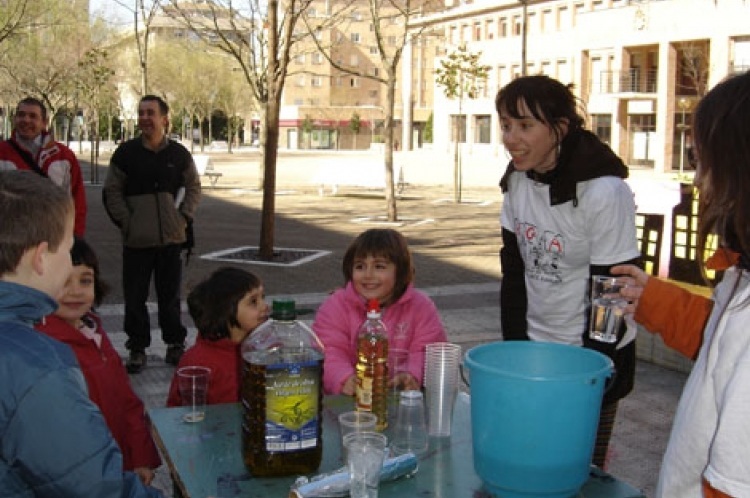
(455, 248)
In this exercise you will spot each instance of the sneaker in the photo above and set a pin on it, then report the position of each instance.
(174, 353)
(136, 361)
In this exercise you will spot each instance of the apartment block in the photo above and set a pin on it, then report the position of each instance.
(638, 66)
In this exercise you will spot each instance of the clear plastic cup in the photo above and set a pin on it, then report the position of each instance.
(365, 455)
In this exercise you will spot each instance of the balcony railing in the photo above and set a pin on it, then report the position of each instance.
(629, 81)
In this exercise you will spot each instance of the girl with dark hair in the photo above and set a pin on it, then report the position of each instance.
(75, 323)
(567, 215)
(708, 454)
(226, 307)
(377, 265)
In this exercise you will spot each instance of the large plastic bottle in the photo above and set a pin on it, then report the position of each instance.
(372, 366)
(282, 396)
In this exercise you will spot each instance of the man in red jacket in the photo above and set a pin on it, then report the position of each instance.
(32, 147)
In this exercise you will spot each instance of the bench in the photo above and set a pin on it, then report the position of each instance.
(369, 176)
(205, 167)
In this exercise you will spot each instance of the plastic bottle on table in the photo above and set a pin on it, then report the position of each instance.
(372, 365)
(282, 396)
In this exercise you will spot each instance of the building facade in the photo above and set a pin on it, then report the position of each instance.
(326, 107)
(638, 66)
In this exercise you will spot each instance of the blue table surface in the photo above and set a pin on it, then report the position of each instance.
(207, 459)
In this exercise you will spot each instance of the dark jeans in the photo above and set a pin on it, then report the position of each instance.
(137, 266)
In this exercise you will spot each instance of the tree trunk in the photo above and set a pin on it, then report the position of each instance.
(390, 194)
(271, 143)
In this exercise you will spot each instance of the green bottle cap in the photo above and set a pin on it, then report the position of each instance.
(283, 309)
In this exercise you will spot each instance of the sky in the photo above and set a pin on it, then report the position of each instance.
(112, 10)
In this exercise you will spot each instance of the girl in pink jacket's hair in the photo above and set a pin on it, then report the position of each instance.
(377, 265)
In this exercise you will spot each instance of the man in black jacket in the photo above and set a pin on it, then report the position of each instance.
(151, 193)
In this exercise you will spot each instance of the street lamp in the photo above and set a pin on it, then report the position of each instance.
(684, 105)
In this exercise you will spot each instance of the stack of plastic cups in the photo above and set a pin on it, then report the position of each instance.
(442, 361)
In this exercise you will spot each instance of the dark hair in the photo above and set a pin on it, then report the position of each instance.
(721, 135)
(83, 254)
(213, 302)
(386, 243)
(34, 210)
(549, 101)
(163, 106)
(36, 102)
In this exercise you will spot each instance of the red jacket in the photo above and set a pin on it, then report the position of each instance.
(59, 163)
(109, 387)
(223, 358)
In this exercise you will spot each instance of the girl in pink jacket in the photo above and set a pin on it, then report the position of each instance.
(377, 265)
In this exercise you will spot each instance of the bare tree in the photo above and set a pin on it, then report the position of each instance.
(144, 18)
(15, 16)
(258, 36)
(390, 33)
(461, 76)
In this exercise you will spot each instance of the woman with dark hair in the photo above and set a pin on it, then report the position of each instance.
(567, 215)
(377, 265)
(708, 454)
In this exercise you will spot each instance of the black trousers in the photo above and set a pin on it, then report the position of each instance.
(165, 263)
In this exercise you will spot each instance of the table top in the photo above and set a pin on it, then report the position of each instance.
(207, 460)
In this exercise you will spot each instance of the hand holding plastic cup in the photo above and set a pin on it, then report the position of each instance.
(192, 383)
(365, 455)
(608, 308)
(442, 361)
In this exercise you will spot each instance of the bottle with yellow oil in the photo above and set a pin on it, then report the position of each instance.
(282, 396)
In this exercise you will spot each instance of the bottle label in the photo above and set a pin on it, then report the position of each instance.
(364, 393)
(292, 396)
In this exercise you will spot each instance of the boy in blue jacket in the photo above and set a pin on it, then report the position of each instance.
(53, 439)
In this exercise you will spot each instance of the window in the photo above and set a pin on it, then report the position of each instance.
(516, 25)
(311, 12)
(354, 37)
(563, 18)
(548, 23)
(391, 40)
(298, 101)
(477, 31)
(502, 27)
(489, 32)
(316, 81)
(482, 129)
(373, 50)
(354, 82)
(300, 80)
(356, 16)
(601, 125)
(317, 58)
(299, 59)
(373, 94)
(458, 128)
(374, 71)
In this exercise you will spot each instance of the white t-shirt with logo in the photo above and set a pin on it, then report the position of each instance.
(559, 243)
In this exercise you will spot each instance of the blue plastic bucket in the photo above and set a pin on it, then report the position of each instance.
(534, 414)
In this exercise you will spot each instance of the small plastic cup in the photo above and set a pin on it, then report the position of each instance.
(607, 308)
(356, 421)
(365, 455)
(192, 383)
